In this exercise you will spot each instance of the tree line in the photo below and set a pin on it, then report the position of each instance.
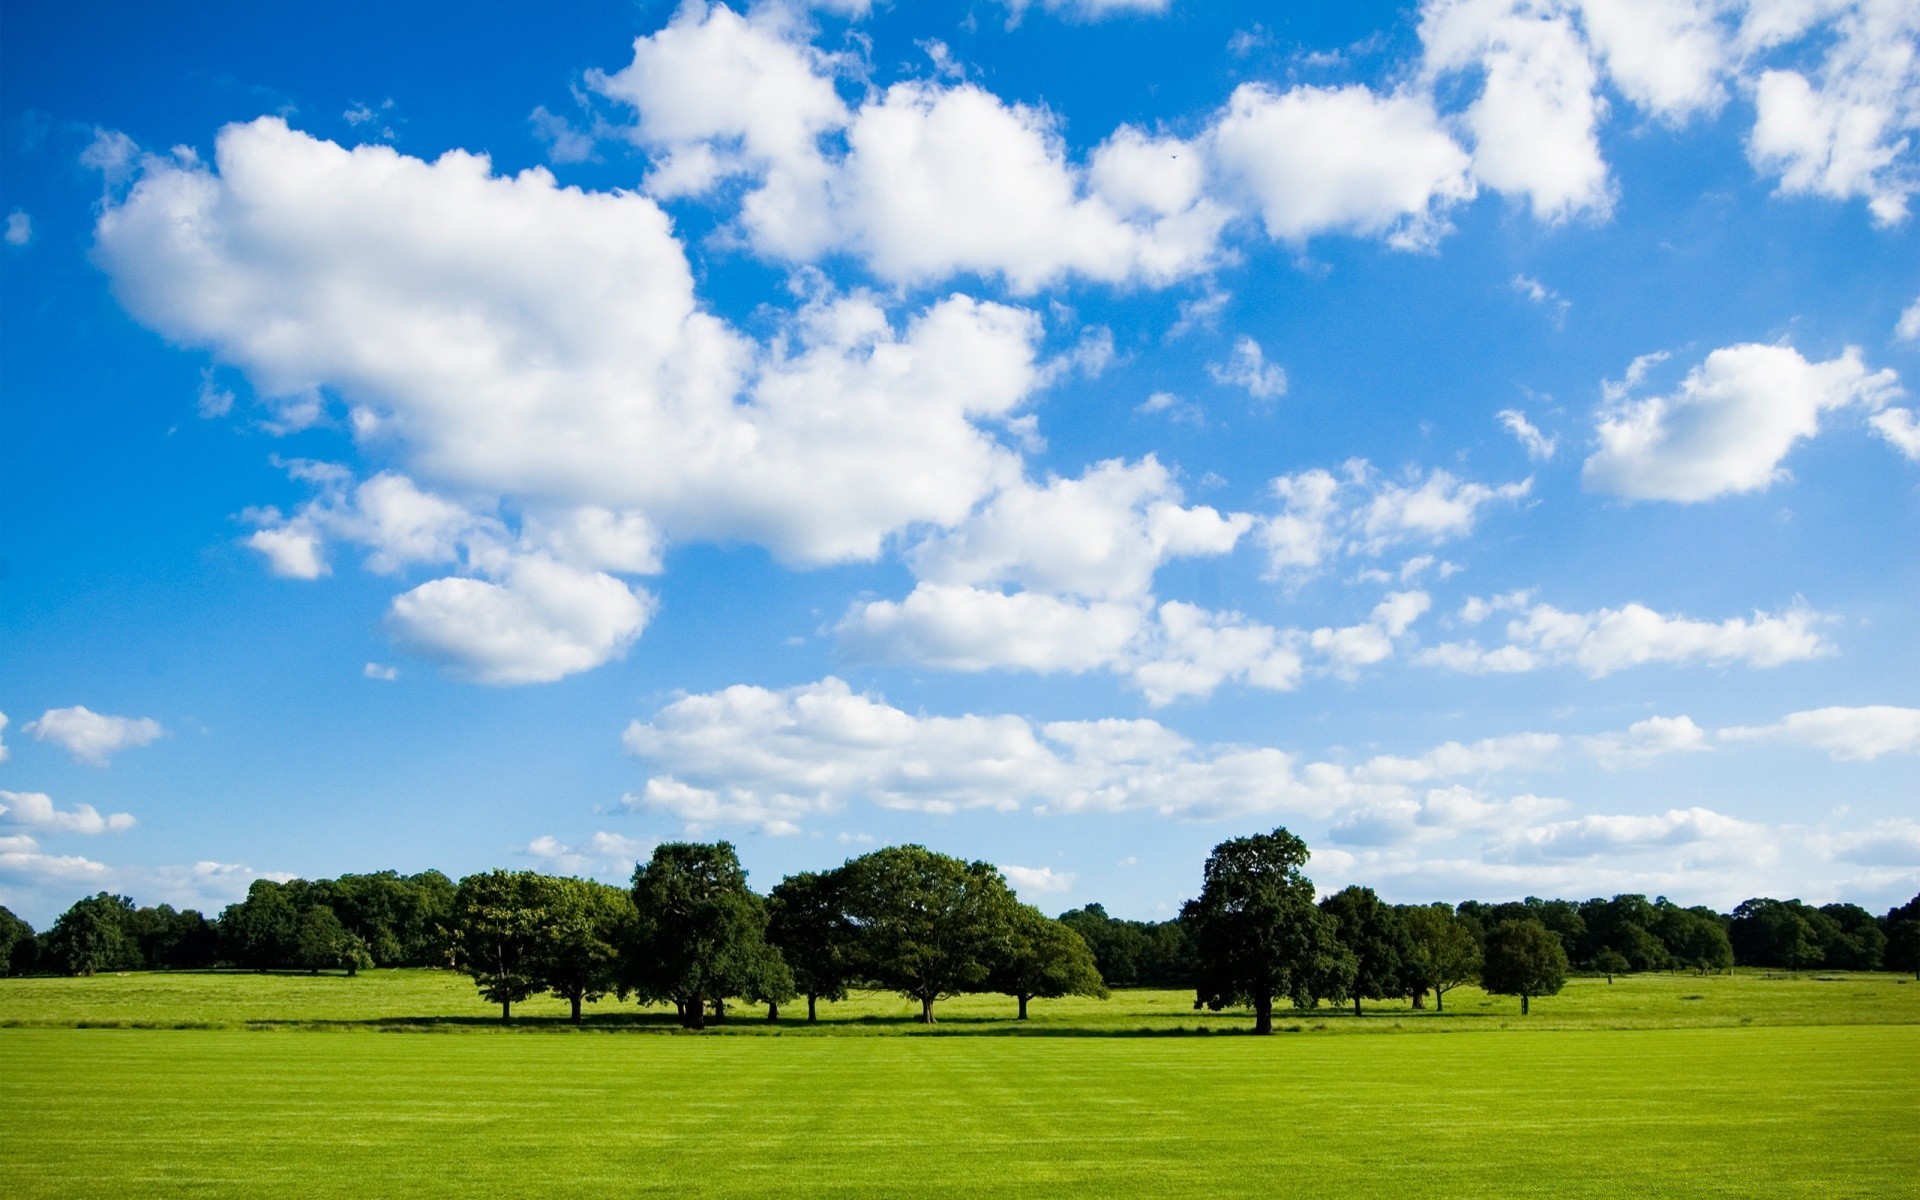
(688, 931)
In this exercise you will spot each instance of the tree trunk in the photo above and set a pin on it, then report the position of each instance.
(1523, 1004)
(926, 1010)
(1609, 978)
(773, 1011)
(576, 1007)
(696, 1015)
(1420, 998)
(1439, 1004)
(1023, 1007)
(1356, 1004)
(813, 1013)
(506, 1010)
(1263, 1014)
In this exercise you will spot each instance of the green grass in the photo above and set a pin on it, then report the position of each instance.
(443, 1000)
(1736, 1085)
(1806, 1111)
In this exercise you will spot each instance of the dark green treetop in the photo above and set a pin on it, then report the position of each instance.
(1524, 959)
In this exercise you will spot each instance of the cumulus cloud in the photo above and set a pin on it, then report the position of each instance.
(19, 229)
(1890, 843)
(958, 627)
(36, 811)
(1865, 732)
(1908, 327)
(1900, 427)
(1728, 426)
(612, 855)
(1038, 881)
(93, 737)
(1324, 517)
(1312, 161)
(3, 743)
(1613, 639)
(1089, 10)
(1705, 834)
(1649, 739)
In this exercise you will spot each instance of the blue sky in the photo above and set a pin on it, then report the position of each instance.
(1479, 436)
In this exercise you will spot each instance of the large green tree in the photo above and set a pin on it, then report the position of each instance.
(500, 935)
(1257, 933)
(584, 924)
(1442, 952)
(1045, 960)
(807, 921)
(260, 931)
(92, 936)
(699, 933)
(930, 926)
(1524, 959)
(14, 933)
(322, 943)
(1377, 936)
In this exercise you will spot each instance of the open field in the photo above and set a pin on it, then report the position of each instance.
(1655, 1086)
(442, 999)
(1805, 1111)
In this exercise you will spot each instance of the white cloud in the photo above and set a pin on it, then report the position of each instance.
(1908, 328)
(1861, 733)
(958, 627)
(21, 859)
(1667, 56)
(3, 744)
(1613, 639)
(1323, 517)
(1248, 368)
(1890, 843)
(35, 810)
(1540, 447)
(543, 621)
(93, 737)
(19, 229)
(1707, 835)
(1089, 10)
(1901, 429)
(1038, 881)
(1649, 739)
(380, 671)
(1846, 130)
(291, 552)
(605, 855)
(1728, 426)
(1190, 651)
(1535, 120)
(1314, 160)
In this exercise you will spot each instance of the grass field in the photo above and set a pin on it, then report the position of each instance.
(1657, 1086)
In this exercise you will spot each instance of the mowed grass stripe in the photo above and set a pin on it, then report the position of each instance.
(1813, 1111)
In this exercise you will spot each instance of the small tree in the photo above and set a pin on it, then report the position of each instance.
(1378, 939)
(808, 923)
(1611, 962)
(322, 943)
(1524, 959)
(930, 926)
(1442, 953)
(500, 935)
(699, 934)
(1045, 959)
(1256, 931)
(585, 924)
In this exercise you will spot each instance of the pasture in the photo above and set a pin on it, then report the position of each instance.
(1725, 1086)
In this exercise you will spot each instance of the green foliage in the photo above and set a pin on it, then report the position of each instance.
(699, 934)
(1045, 960)
(1378, 939)
(930, 926)
(92, 936)
(1610, 962)
(1524, 959)
(500, 936)
(808, 923)
(1134, 953)
(322, 943)
(14, 935)
(1442, 952)
(583, 923)
(1257, 934)
(259, 932)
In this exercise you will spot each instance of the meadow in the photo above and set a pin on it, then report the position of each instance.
(1736, 1085)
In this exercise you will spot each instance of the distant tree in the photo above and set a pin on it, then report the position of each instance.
(930, 926)
(500, 935)
(1777, 933)
(1694, 937)
(807, 921)
(768, 980)
(1857, 943)
(1134, 953)
(1903, 946)
(1524, 959)
(699, 934)
(92, 936)
(1442, 951)
(322, 943)
(260, 931)
(14, 934)
(1375, 934)
(583, 925)
(1257, 933)
(1610, 962)
(1045, 960)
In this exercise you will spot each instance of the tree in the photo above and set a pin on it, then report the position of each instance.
(1696, 937)
(1524, 959)
(699, 934)
(1134, 953)
(259, 931)
(92, 936)
(808, 923)
(322, 943)
(1775, 933)
(500, 936)
(14, 933)
(1903, 937)
(1378, 939)
(929, 926)
(1442, 951)
(1045, 960)
(1256, 932)
(1611, 962)
(584, 924)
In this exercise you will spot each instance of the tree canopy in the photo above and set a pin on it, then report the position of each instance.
(1524, 959)
(1045, 960)
(929, 925)
(699, 933)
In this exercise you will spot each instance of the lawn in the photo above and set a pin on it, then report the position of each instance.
(1654, 1086)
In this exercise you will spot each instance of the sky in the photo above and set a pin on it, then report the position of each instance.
(1481, 436)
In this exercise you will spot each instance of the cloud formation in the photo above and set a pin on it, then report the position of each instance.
(93, 737)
